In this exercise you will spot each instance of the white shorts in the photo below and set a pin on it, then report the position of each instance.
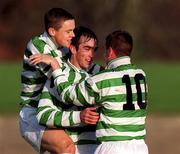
(123, 147)
(86, 148)
(30, 129)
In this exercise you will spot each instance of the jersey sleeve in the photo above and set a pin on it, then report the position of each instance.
(50, 112)
(84, 93)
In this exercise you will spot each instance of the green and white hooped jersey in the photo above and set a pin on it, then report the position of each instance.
(121, 94)
(53, 113)
(33, 78)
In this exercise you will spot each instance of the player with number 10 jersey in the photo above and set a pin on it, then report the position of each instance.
(120, 92)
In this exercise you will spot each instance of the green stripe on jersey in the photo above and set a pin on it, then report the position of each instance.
(39, 44)
(71, 76)
(119, 138)
(120, 128)
(46, 95)
(71, 118)
(53, 53)
(31, 102)
(45, 115)
(120, 98)
(58, 119)
(123, 113)
(67, 99)
(80, 97)
(31, 81)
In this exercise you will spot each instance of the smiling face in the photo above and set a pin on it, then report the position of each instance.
(83, 56)
(64, 35)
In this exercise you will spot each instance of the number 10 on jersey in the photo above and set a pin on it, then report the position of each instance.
(129, 98)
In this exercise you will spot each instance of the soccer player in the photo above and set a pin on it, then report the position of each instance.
(59, 26)
(121, 94)
(52, 112)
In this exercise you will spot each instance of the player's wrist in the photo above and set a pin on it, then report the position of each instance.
(54, 64)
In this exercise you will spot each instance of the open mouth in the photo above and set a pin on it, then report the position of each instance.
(89, 62)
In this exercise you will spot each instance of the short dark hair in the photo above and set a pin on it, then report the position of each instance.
(121, 41)
(83, 31)
(54, 16)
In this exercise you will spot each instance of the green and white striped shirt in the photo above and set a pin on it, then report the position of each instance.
(33, 78)
(53, 113)
(121, 94)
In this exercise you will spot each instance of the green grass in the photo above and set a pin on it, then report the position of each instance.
(163, 86)
(9, 87)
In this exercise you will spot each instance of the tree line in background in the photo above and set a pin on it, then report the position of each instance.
(154, 24)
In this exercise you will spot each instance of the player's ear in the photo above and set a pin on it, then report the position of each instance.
(72, 49)
(112, 54)
(51, 31)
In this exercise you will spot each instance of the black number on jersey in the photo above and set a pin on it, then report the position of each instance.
(129, 105)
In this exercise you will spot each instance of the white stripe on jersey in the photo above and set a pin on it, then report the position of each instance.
(118, 105)
(50, 121)
(65, 116)
(36, 98)
(31, 88)
(47, 102)
(113, 132)
(114, 75)
(116, 90)
(122, 121)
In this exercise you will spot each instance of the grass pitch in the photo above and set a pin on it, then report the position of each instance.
(163, 87)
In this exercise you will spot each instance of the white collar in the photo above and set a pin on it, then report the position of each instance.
(74, 67)
(119, 61)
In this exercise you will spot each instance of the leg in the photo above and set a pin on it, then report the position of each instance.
(57, 141)
(40, 138)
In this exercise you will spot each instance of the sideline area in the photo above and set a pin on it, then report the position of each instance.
(163, 135)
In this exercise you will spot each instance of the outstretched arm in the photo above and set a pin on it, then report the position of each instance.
(52, 115)
(84, 93)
